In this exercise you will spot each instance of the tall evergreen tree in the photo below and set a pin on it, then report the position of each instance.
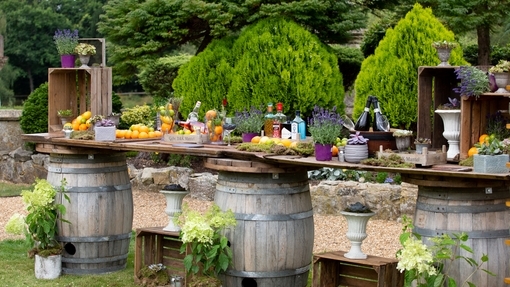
(391, 73)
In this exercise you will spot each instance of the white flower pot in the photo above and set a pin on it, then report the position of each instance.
(173, 206)
(490, 163)
(444, 55)
(501, 82)
(355, 153)
(104, 133)
(356, 232)
(451, 123)
(48, 267)
(403, 143)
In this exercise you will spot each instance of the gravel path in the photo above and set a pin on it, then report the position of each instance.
(330, 231)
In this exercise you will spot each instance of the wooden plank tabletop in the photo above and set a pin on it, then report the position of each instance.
(440, 173)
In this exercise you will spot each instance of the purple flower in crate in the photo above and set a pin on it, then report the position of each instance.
(105, 123)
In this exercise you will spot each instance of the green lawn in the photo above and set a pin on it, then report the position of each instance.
(131, 100)
(11, 189)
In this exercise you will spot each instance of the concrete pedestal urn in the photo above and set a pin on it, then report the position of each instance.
(174, 196)
(356, 232)
(451, 122)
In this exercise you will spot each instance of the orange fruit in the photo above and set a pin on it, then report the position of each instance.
(134, 127)
(158, 134)
(286, 142)
(143, 129)
(255, 139)
(218, 130)
(83, 127)
(74, 121)
(210, 114)
(87, 115)
(483, 138)
(143, 135)
(127, 135)
(135, 134)
(166, 127)
(472, 151)
(334, 151)
(76, 126)
(152, 134)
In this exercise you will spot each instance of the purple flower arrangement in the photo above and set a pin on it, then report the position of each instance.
(249, 121)
(66, 40)
(473, 81)
(325, 125)
(104, 123)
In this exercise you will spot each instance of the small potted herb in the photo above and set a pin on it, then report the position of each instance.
(491, 157)
(66, 41)
(444, 49)
(324, 126)
(357, 216)
(402, 139)
(84, 51)
(420, 143)
(356, 149)
(249, 123)
(104, 130)
(65, 116)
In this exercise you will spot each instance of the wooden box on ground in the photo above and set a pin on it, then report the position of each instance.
(79, 90)
(333, 269)
(426, 158)
(435, 86)
(153, 245)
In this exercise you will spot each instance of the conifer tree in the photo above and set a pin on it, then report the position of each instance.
(391, 73)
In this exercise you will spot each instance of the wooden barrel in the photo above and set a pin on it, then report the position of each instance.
(100, 211)
(478, 211)
(272, 243)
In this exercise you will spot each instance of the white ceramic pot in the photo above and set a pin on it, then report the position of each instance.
(501, 82)
(84, 60)
(356, 232)
(173, 206)
(355, 153)
(48, 267)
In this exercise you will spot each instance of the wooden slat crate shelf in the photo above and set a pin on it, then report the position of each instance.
(435, 86)
(153, 245)
(79, 90)
(333, 269)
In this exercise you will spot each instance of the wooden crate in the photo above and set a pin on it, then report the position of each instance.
(435, 86)
(333, 269)
(153, 245)
(202, 138)
(426, 158)
(79, 90)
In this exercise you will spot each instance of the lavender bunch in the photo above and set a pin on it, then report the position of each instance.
(66, 40)
(473, 81)
(249, 121)
(325, 125)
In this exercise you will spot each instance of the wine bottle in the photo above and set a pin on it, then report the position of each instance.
(193, 115)
(278, 120)
(363, 122)
(378, 125)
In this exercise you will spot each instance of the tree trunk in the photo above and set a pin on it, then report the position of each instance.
(205, 41)
(484, 44)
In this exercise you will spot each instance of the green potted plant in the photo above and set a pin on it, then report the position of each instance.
(402, 139)
(491, 157)
(444, 49)
(324, 126)
(500, 72)
(66, 40)
(40, 227)
(473, 81)
(249, 123)
(84, 51)
(209, 253)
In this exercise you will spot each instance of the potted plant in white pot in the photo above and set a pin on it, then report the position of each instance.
(40, 227)
(402, 139)
(500, 72)
(324, 126)
(65, 116)
(104, 130)
(357, 216)
(450, 113)
(84, 51)
(491, 157)
(421, 143)
(356, 149)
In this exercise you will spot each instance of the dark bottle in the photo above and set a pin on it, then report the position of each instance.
(379, 122)
(363, 122)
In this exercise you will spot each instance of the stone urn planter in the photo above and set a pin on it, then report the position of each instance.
(174, 194)
(451, 122)
(48, 267)
(357, 232)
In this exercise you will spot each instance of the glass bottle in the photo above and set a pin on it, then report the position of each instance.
(298, 127)
(378, 125)
(279, 119)
(363, 122)
(193, 115)
(268, 120)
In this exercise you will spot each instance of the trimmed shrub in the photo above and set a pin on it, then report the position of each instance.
(391, 73)
(273, 60)
(34, 118)
(116, 103)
